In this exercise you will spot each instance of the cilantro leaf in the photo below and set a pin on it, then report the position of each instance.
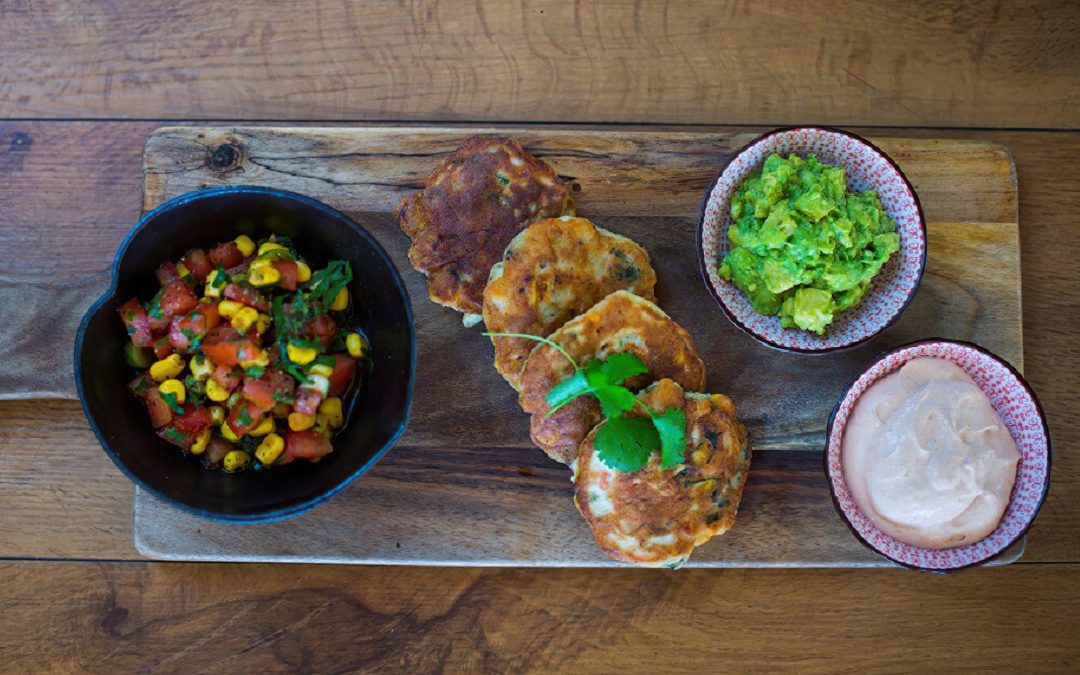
(625, 443)
(170, 400)
(567, 390)
(614, 400)
(671, 426)
(326, 283)
(618, 368)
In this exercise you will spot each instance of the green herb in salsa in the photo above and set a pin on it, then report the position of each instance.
(804, 248)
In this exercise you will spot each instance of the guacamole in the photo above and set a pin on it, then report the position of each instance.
(803, 247)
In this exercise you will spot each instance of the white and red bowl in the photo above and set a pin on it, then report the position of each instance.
(867, 167)
(1022, 414)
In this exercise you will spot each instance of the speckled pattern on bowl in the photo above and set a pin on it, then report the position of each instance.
(867, 167)
(1019, 409)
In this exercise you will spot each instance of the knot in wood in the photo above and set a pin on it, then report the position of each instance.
(225, 157)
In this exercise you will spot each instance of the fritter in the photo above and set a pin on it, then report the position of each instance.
(621, 322)
(471, 206)
(552, 271)
(657, 517)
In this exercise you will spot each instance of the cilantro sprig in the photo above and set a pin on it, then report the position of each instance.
(623, 443)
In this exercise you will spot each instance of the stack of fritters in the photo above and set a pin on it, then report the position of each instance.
(493, 231)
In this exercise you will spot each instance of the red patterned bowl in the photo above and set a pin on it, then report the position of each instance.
(867, 167)
(1019, 409)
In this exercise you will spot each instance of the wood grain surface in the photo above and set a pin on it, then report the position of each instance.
(134, 617)
(922, 63)
(464, 485)
(58, 479)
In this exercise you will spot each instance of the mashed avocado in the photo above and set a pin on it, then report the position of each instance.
(803, 247)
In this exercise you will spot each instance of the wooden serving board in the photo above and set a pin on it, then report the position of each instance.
(464, 486)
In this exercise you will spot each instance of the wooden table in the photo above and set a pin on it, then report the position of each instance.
(81, 87)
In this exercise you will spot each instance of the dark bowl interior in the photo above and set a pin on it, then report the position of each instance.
(379, 412)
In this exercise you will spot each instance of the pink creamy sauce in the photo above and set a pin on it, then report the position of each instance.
(927, 458)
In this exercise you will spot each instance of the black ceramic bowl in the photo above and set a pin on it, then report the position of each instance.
(379, 411)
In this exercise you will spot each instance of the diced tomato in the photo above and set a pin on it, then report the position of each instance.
(181, 439)
(284, 384)
(220, 333)
(160, 412)
(259, 392)
(227, 376)
(178, 299)
(166, 274)
(243, 417)
(197, 263)
(248, 296)
(194, 420)
(307, 401)
(324, 329)
(216, 450)
(140, 385)
(287, 270)
(307, 445)
(242, 268)
(226, 255)
(233, 352)
(185, 329)
(162, 348)
(341, 378)
(137, 323)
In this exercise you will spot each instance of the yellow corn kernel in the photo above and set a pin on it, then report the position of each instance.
(300, 421)
(270, 449)
(261, 359)
(271, 246)
(174, 387)
(262, 324)
(236, 460)
(331, 407)
(200, 443)
(322, 425)
(228, 308)
(301, 356)
(264, 427)
(303, 272)
(244, 319)
(201, 367)
(244, 243)
(217, 414)
(320, 369)
(263, 276)
(356, 344)
(216, 392)
(228, 434)
(341, 300)
(182, 270)
(170, 366)
(212, 291)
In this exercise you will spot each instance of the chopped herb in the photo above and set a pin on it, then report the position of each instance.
(282, 397)
(622, 443)
(326, 283)
(173, 434)
(170, 400)
(325, 360)
(255, 371)
(153, 308)
(188, 333)
(221, 278)
(244, 418)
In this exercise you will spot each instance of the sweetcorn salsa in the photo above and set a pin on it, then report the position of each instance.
(242, 360)
(804, 248)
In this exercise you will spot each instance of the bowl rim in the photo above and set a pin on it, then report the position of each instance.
(704, 269)
(109, 293)
(1042, 419)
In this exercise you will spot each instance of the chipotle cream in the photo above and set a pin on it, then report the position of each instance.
(927, 458)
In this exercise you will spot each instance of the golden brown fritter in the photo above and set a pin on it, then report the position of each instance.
(657, 517)
(471, 206)
(552, 271)
(621, 322)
